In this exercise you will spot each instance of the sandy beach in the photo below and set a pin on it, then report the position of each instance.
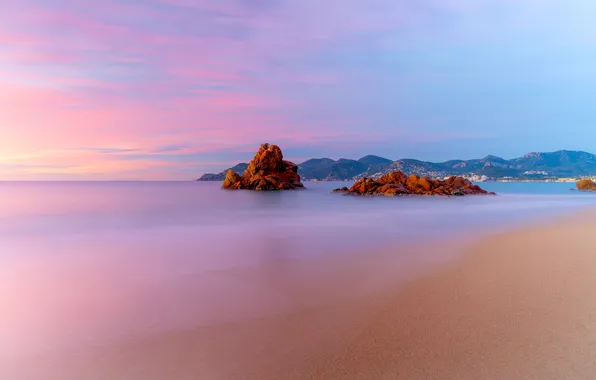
(515, 305)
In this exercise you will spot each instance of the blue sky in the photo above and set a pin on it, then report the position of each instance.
(174, 88)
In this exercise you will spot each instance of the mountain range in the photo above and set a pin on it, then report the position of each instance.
(559, 164)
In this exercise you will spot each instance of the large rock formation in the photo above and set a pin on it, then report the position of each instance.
(267, 171)
(397, 183)
(586, 185)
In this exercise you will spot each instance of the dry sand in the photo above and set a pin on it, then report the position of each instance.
(518, 305)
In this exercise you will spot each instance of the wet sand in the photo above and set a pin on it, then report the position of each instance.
(516, 305)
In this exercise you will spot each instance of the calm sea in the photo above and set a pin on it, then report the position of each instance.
(295, 223)
(85, 261)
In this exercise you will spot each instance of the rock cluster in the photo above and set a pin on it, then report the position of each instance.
(267, 171)
(397, 183)
(586, 185)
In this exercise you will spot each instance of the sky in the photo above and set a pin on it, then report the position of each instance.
(170, 89)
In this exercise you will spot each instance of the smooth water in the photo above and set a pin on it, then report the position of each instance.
(84, 262)
(299, 220)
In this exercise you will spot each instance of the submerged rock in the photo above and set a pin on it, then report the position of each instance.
(267, 171)
(397, 183)
(586, 185)
(341, 190)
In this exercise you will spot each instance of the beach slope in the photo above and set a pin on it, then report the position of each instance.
(517, 305)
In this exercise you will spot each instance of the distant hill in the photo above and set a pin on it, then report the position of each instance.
(374, 164)
(563, 163)
(329, 170)
(240, 168)
(533, 165)
(371, 160)
(345, 169)
(558, 164)
(317, 168)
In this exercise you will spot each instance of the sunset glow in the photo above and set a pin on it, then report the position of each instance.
(169, 89)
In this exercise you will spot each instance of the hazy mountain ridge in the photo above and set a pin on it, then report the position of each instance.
(240, 168)
(536, 165)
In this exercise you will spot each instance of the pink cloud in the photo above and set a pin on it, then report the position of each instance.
(205, 75)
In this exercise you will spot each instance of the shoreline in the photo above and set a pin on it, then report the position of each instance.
(516, 304)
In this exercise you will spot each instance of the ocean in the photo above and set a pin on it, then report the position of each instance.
(84, 263)
(295, 223)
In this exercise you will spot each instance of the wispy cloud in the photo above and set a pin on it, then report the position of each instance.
(146, 88)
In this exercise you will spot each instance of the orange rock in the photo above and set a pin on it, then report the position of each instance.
(397, 183)
(394, 177)
(586, 185)
(391, 189)
(267, 171)
(231, 179)
(425, 183)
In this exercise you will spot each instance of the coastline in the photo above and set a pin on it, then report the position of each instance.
(517, 304)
